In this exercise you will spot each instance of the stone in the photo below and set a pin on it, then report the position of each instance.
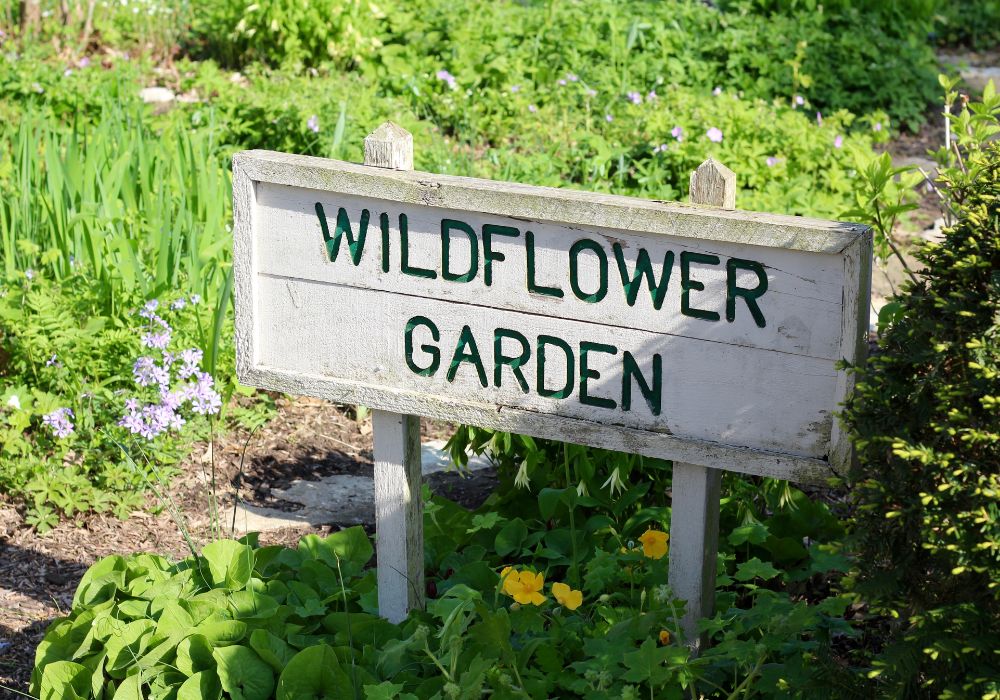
(156, 95)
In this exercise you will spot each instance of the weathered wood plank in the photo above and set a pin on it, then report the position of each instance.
(399, 511)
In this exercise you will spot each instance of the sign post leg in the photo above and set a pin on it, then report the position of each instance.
(694, 519)
(694, 543)
(399, 512)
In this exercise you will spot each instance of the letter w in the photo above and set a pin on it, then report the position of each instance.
(644, 268)
(356, 245)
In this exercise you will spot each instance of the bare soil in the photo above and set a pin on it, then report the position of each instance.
(307, 439)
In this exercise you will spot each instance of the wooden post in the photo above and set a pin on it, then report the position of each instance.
(399, 517)
(694, 518)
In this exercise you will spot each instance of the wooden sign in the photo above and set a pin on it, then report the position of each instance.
(691, 333)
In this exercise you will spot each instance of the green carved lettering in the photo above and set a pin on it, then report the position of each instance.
(688, 284)
(467, 351)
(404, 248)
(750, 296)
(490, 255)
(644, 268)
(515, 362)
(652, 393)
(567, 388)
(447, 225)
(529, 244)
(574, 272)
(431, 350)
(355, 245)
(586, 373)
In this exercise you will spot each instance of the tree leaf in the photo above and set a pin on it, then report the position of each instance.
(243, 674)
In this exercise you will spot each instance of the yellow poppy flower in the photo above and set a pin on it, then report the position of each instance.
(525, 587)
(654, 544)
(664, 637)
(566, 596)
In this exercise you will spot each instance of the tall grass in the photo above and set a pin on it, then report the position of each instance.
(138, 211)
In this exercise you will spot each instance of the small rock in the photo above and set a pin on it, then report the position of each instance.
(156, 95)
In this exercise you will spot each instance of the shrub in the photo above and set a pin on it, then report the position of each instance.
(926, 422)
(290, 33)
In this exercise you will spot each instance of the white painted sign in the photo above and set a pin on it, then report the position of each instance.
(690, 333)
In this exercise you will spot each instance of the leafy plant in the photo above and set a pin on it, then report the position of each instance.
(924, 420)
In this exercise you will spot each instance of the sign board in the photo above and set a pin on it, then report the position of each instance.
(691, 333)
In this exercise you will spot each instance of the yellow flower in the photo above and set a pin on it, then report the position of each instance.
(524, 587)
(664, 637)
(566, 596)
(654, 544)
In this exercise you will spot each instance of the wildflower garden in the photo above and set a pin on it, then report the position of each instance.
(128, 446)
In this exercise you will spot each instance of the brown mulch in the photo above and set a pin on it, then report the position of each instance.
(307, 439)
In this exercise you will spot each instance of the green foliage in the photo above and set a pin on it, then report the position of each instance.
(972, 23)
(925, 422)
(290, 33)
(268, 622)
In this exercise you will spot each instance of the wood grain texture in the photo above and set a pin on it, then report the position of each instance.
(745, 398)
(399, 511)
(713, 184)
(694, 543)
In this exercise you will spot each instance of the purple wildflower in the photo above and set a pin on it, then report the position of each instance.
(771, 161)
(799, 101)
(532, 108)
(195, 299)
(160, 341)
(448, 78)
(149, 309)
(83, 62)
(562, 81)
(68, 72)
(178, 304)
(634, 97)
(877, 126)
(591, 92)
(651, 96)
(59, 422)
(147, 373)
(714, 135)
(204, 399)
(838, 142)
(572, 77)
(678, 133)
(53, 361)
(608, 118)
(30, 274)
(515, 88)
(717, 91)
(191, 359)
(819, 119)
(313, 124)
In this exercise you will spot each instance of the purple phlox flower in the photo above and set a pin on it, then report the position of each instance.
(195, 299)
(29, 273)
(68, 72)
(591, 92)
(532, 108)
(515, 88)
(662, 148)
(131, 405)
(160, 341)
(634, 97)
(83, 62)
(38, 88)
(178, 304)
(58, 421)
(678, 133)
(608, 118)
(313, 124)
(169, 358)
(572, 77)
(149, 309)
(714, 135)
(651, 96)
(877, 126)
(204, 399)
(448, 78)
(717, 91)
(147, 373)
(53, 361)
(191, 359)
(771, 161)
(838, 142)
(799, 101)
(561, 81)
(819, 118)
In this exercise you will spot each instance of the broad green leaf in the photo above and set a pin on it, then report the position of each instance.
(204, 685)
(647, 664)
(101, 581)
(755, 568)
(509, 539)
(754, 533)
(222, 632)
(230, 563)
(272, 649)
(126, 645)
(243, 674)
(314, 672)
(64, 680)
(194, 654)
(351, 547)
(130, 689)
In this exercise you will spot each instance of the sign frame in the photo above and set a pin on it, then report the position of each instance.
(850, 241)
